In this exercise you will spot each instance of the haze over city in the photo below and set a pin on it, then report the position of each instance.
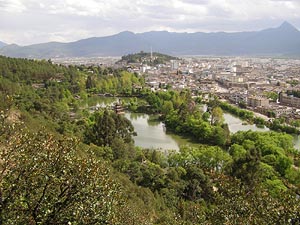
(31, 21)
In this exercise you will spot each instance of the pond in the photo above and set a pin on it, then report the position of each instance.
(151, 133)
(235, 124)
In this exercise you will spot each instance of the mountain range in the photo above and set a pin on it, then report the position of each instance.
(280, 41)
(2, 44)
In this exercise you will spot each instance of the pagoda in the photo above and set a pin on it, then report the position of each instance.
(118, 108)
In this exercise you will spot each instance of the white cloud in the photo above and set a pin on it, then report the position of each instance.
(12, 6)
(32, 21)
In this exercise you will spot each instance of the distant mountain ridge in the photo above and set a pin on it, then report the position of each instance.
(2, 44)
(281, 41)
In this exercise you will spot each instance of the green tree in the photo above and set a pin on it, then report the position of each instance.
(237, 205)
(102, 132)
(167, 107)
(90, 82)
(217, 116)
(248, 168)
(111, 129)
(43, 180)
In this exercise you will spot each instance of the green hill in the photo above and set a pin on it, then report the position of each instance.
(145, 58)
(60, 163)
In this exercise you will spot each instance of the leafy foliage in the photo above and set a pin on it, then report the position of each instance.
(44, 181)
(145, 57)
(81, 168)
(112, 130)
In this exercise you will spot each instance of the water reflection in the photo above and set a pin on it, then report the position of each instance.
(153, 120)
(134, 116)
(151, 136)
(235, 124)
(296, 141)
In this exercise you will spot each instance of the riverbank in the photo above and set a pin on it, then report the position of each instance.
(258, 119)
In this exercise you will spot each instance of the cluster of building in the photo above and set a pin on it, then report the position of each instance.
(260, 84)
(88, 61)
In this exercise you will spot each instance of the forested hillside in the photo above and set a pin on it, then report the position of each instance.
(60, 163)
(146, 58)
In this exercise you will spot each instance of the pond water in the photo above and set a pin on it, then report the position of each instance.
(151, 133)
(296, 141)
(235, 124)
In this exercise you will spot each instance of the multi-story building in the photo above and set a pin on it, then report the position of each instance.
(292, 101)
(257, 101)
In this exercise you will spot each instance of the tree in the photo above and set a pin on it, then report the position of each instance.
(43, 180)
(217, 116)
(90, 82)
(219, 136)
(242, 105)
(205, 116)
(167, 107)
(237, 205)
(110, 129)
(248, 167)
(102, 132)
(272, 95)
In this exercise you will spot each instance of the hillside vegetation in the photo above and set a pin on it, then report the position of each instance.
(62, 164)
(145, 58)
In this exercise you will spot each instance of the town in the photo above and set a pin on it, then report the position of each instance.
(268, 86)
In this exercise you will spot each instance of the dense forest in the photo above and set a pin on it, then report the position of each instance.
(62, 164)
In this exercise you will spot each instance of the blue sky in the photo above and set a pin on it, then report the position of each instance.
(34, 21)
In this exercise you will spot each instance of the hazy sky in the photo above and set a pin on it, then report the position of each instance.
(35, 21)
